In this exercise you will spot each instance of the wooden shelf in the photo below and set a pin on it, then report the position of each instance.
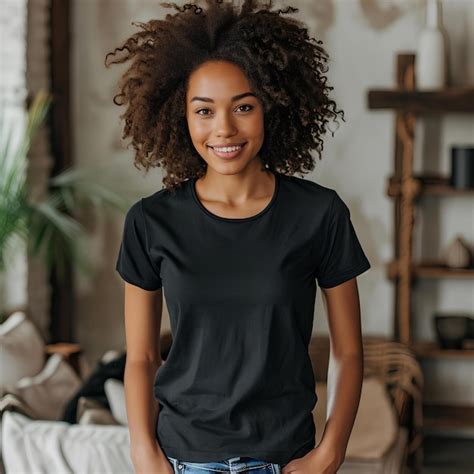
(430, 185)
(427, 269)
(447, 100)
(431, 269)
(446, 190)
(448, 416)
(431, 350)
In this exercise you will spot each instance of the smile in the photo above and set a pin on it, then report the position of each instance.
(227, 152)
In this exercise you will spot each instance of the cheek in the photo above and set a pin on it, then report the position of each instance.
(255, 127)
(198, 130)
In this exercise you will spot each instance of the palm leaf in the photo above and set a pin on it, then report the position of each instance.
(83, 187)
(49, 226)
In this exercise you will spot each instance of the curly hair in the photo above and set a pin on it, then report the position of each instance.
(285, 67)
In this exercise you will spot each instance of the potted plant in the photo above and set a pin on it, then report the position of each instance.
(49, 228)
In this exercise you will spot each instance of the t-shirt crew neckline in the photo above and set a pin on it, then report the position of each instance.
(237, 219)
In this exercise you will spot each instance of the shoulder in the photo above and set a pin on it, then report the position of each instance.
(164, 200)
(157, 197)
(307, 192)
(307, 186)
(137, 210)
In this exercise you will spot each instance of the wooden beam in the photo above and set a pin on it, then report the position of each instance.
(62, 307)
(447, 100)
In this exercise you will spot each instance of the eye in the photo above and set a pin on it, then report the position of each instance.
(250, 107)
(246, 105)
(200, 110)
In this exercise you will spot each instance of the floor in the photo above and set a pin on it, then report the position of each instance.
(448, 455)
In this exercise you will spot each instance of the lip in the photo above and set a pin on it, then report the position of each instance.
(228, 156)
(220, 145)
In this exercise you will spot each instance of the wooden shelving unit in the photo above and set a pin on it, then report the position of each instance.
(431, 350)
(406, 189)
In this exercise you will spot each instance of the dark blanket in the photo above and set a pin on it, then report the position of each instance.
(93, 387)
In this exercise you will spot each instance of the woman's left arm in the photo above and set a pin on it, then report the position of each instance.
(347, 366)
(344, 381)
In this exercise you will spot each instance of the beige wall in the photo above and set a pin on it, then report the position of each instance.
(357, 160)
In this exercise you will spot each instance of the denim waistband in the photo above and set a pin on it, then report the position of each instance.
(234, 464)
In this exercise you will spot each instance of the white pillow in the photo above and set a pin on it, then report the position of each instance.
(59, 447)
(115, 392)
(376, 425)
(22, 349)
(48, 392)
(109, 356)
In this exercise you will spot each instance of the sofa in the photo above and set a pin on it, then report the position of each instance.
(386, 433)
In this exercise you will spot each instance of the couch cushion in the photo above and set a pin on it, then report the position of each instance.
(22, 349)
(47, 393)
(57, 446)
(376, 425)
(97, 416)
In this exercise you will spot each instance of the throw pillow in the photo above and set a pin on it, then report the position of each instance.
(47, 393)
(14, 403)
(22, 349)
(376, 425)
(114, 389)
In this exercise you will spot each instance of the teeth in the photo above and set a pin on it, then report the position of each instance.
(228, 149)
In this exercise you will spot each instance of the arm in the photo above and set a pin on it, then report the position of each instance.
(347, 366)
(143, 311)
(344, 381)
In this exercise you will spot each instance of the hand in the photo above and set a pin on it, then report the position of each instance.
(150, 460)
(318, 461)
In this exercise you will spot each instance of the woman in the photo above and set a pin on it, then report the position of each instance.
(230, 102)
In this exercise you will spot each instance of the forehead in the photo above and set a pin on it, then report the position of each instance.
(218, 80)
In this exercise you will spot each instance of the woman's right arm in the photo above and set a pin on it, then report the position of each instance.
(143, 311)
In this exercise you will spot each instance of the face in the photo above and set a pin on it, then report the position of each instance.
(221, 111)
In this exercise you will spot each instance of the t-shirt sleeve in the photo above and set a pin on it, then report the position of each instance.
(339, 256)
(134, 263)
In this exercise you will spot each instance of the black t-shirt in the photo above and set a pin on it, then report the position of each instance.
(238, 379)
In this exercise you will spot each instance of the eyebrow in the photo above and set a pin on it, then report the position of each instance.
(236, 97)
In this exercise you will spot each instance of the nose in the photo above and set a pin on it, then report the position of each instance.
(225, 126)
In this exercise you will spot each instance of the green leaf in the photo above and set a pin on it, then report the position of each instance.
(49, 227)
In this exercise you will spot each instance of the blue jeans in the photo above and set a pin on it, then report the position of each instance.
(231, 465)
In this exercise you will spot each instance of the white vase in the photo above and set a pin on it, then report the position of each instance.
(431, 63)
(457, 254)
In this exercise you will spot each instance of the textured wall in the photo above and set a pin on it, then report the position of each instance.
(362, 38)
(13, 27)
(24, 66)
